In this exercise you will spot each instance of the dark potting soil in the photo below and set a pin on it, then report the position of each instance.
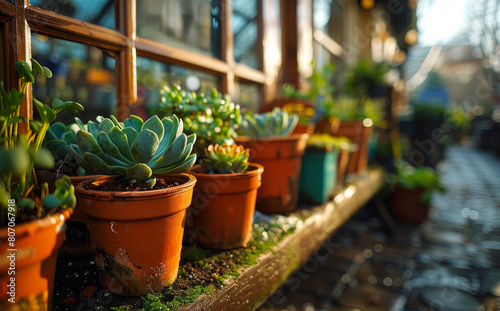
(127, 185)
(77, 285)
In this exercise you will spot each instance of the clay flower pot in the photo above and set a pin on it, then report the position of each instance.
(137, 235)
(360, 135)
(318, 175)
(281, 158)
(36, 245)
(223, 206)
(407, 206)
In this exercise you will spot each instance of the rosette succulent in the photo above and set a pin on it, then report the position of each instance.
(135, 149)
(225, 159)
(274, 123)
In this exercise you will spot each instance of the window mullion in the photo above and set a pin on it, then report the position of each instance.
(126, 72)
(22, 34)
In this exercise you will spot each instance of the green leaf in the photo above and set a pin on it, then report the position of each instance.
(18, 160)
(35, 126)
(79, 123)
(95, 164)
(24, 70)
(27, 204)
(120, 140)
(46, 72)
(70, 138)
(106, 125)
(44, 159)
(58, 128)
(131, 134)
(182, 167)
(87, 142)
(173, 152)
(154, 124)
(77, 154)
(15, 120)
(51, 201)
(139, 171)
(115, 121)
(110, 148)
(145, 146)
(38, 68)
(136, 122)
(93, 128)
(75, 107)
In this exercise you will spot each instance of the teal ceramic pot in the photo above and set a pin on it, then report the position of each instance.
(318, 175)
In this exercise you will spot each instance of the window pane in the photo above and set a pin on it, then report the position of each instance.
(246, 32)
(99, 12)
(152, 75)
(188, 24)
(247, 96)
(81, 73)
(328, 17)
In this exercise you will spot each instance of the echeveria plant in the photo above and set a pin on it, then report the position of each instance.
(274, 123)
(225, 159)
(135, 149)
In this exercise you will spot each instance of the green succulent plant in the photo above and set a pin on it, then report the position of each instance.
(225, 159)
(213, 117)
(422, 177)
(135, 149)
(21, 153)
(273, 123)
(349, 108)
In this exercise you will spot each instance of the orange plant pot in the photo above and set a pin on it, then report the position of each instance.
(223, 206)
(137, 235)
(35, 249)
(407, 207)
(282, 159)
(359, 135)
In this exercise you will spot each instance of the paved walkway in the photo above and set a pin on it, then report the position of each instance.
(451, 262)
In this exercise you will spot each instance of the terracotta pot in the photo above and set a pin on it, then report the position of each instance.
(359, 135)
(36, 245)
(137, 235)
(281, 158)
(407, 206)
(223, 206)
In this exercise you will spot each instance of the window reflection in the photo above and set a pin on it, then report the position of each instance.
(99, 12)
(246, 31)
(81, 73)
(247, 95)
(153, 75)
(188, 24)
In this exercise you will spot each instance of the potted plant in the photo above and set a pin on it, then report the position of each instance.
(271, 145)
(321, 167)
(58, 140)
(413, 187)
(367, 79)
(137, 211)
(357, 117)
(213, 118)
(31, 218)
(224, 197)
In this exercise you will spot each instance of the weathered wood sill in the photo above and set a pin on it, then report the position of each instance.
(257, 282)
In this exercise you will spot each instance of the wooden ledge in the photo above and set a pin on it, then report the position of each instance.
(258, 282)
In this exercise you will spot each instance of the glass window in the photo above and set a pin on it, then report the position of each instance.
(99, 12)
(247, 95)
(246, 32)
(152, 75)
(81, 73)
(188, 24)
(328, 17)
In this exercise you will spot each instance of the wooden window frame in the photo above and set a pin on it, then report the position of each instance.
(20, 19)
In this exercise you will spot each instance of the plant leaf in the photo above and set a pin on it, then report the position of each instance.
(24, 69)
(144, 146)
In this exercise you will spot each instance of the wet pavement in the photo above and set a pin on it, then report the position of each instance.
(451, 262)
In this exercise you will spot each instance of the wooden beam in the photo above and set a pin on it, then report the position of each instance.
(258, 282)
(67, 28)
